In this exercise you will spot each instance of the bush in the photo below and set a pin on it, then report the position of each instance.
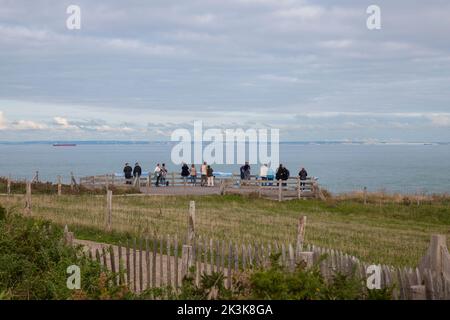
(34, 260)
(275, 283)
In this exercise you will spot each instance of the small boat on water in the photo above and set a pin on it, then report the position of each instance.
(64, 145)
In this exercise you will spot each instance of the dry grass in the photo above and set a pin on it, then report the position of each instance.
(391, 231)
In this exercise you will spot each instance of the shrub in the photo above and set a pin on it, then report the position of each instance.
(275, 283)
(34, 260)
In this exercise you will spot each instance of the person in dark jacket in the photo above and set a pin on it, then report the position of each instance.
(247, 171)
(137, 171)
(164, 172)
(210, 175)
(242, 172)
(303, 175)
(185, 172)
(282, 174)
(127, 171)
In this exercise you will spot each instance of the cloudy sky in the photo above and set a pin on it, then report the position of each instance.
(140, 69)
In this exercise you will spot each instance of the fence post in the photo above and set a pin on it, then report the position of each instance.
(8, 185)
(365, 195)
(291, 258)
(280, 188)
(222, 187)
(112, 259)
(299, 191)
(438, 242)
(59, 186)
(230, 261)
(173, 179)
(260, 188)
(436, 254)
(28, 199)
(108, 220)
(149, 183)
(436, 261)
(418, 292)
(191, 223)
(186, 260)
(68, 236)
(301, 225)
(168, 264)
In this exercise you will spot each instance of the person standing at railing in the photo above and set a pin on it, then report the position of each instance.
(164, 175)
(193, 173)
(137, 171)
(184, 172)
(303, 175)
(210, 175)
(263, 173)
(157, 173)
(270, 176)
(282, 174)
(247, 171)
(286, 175)
(204, 172)
(127, 170)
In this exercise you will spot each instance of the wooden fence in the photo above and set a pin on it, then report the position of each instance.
(164, 261)
(280, 190)
(292, 188)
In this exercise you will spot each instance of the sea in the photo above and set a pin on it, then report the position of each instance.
(408, 168)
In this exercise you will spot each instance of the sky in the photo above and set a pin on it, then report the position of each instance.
(138, 70)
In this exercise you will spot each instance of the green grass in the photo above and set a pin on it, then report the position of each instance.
(386, 230)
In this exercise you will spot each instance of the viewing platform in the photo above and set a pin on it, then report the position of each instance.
(292, 188)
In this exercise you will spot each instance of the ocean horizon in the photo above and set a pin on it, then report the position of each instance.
(339, 166)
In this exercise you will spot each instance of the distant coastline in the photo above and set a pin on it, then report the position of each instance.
(130, 142)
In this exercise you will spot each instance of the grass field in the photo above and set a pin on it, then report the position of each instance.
(386, 230)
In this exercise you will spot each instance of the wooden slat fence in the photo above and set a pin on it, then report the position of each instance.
(163, 262)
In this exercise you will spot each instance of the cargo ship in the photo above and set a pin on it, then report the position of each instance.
(64, 145)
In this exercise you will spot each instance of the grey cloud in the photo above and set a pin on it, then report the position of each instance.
(264, 59)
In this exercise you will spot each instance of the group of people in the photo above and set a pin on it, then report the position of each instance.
(160, 173)
(282, 174)
(206, 174)
(131, 173)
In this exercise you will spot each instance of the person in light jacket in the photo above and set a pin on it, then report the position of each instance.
(204, 173)
(263, 173)
(193, 174)
(157, 172)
